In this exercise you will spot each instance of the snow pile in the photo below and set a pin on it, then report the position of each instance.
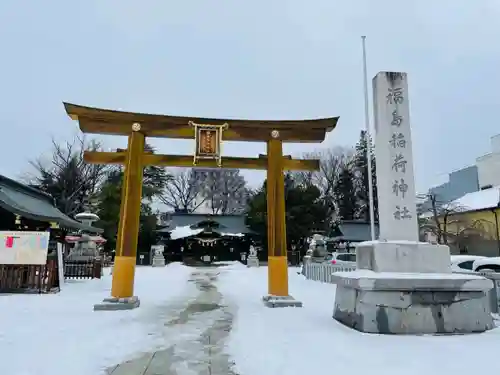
(307, 340)
(61, 334)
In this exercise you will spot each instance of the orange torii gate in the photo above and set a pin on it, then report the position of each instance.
(208, 135)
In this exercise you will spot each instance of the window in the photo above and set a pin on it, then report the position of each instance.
(351, 257)
(347, 257)
(466, 265)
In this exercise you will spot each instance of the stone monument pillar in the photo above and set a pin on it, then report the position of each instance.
(158, 257)
(402, 286)
(252, 260)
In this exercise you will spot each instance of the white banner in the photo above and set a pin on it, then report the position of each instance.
(60, 264)
(24, 247)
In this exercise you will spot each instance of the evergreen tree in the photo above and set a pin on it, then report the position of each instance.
(305, 211)
(345, 193)
(362, 175)
(109, 200)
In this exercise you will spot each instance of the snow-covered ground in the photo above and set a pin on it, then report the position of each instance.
(60, 334)
(301, 341)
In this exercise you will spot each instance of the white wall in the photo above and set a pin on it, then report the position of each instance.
(488, 166)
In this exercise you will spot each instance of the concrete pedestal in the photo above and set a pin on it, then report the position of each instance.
(252, 261)
(276, 301)
(403, 256)
(158, 261)
(115, 304)
(423, 298)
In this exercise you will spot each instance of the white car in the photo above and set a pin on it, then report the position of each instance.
(487, 264)
(460, 263)
(342, 259)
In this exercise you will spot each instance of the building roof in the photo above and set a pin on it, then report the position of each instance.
(105, 121)
(32, 203)
(227, 223)
(354, 231)
(476, 201)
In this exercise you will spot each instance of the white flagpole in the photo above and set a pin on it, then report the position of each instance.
(368, 144)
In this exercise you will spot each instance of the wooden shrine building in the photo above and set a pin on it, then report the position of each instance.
(26, 209)
(206, 238)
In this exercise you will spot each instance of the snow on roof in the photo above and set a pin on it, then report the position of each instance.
(478, 200)
(182, 232)
(232, 234)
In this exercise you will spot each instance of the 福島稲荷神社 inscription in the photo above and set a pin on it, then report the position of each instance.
(395, 180)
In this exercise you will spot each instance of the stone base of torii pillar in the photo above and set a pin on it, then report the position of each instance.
(404, 287)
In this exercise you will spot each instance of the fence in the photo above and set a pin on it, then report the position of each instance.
(29, 278)
(323, 272)
(77, 269)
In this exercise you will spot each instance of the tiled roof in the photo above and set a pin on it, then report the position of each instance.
(34, 204)
(355, 231)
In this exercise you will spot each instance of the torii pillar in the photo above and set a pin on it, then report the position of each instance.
(276, 228)
(122, 289)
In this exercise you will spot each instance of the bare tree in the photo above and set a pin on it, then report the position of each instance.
(441, 218)
(224, 189)
(67, 177)
(181, 192)
(468, 231)
(332, 162)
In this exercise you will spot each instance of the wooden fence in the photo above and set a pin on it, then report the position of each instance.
(29, 278)
(91, 269)
(45, 278)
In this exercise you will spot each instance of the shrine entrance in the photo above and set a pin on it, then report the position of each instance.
(208, 135)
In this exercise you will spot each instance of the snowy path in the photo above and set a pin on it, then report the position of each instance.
(194, 331)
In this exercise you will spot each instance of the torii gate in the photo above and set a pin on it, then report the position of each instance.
(208, 135)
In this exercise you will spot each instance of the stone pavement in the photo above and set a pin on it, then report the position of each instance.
(190, 350)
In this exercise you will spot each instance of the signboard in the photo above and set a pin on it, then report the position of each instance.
(208, 139)
(24, 247)
(393, 150)
(207, 143)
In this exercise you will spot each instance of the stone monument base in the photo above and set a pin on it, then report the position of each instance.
(405, 287)
(114, 304)
(159, 261)
(403, 256)
(277, 301)
(252, 261)
(418, 303)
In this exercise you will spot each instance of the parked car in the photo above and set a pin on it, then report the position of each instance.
(487, 264)
(464, 262)
(347, 259)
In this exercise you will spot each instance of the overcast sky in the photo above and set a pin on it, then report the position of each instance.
(259, 59)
